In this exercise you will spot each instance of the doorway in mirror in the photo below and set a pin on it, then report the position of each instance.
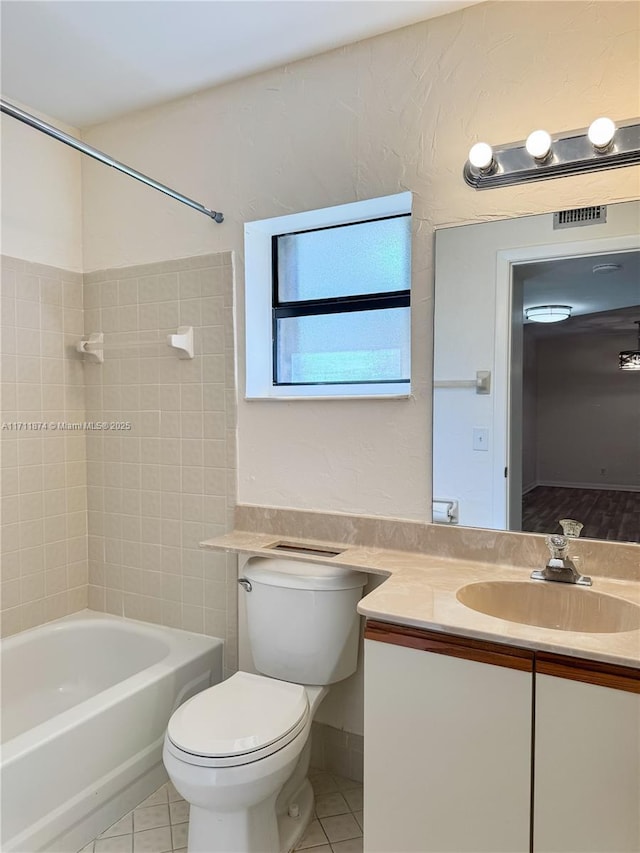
(579, 412)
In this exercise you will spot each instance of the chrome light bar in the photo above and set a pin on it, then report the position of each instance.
(571, 153)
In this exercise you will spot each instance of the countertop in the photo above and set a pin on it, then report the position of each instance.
(420, 591)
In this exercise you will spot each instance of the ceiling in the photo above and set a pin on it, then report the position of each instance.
(602, 302)
(87, 62)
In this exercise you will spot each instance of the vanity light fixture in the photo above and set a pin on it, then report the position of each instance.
(630, 359)
(548, 313)
(603, 145)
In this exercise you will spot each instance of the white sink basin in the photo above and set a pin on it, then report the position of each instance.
(562, 607)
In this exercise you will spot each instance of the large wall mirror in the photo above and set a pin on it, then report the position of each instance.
(534, 419)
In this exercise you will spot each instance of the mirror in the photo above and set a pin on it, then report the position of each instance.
(552, 429)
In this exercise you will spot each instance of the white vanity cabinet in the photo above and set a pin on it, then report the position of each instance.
(587, 757)
(477, 747)
(448, 744)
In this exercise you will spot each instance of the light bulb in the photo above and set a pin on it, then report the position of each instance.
(481, 156)
(601, 133)
(538, 144)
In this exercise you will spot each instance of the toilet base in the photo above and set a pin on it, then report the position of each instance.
(234, 833)
(250, 831)
(291, 829)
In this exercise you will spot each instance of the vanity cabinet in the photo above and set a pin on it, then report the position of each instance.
(587, 757)
(479, 747)
(448, 744)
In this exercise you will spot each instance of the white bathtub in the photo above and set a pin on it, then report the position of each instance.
(85, 703)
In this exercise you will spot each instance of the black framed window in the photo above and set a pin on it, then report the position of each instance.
(341, 297)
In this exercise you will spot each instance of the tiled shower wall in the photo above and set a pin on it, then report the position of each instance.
(43, 563)
(160, 487)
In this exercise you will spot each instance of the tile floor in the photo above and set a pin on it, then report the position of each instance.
(159, 824)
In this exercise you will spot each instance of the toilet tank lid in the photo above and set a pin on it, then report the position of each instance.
(298, 574)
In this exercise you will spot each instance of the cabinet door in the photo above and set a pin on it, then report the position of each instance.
(448, 753)
(587, 768)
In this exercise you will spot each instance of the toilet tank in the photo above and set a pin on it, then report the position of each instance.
(302, 620)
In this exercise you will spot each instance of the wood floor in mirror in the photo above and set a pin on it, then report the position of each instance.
(605, 513)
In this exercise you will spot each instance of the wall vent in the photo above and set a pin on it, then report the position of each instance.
(580, 216)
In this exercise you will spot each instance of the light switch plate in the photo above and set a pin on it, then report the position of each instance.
(480, 438)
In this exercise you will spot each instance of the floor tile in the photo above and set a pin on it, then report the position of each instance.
(157, 798)
(116, 844)
(354, 799)
(123, 827)
(179, 832)
(161, 821)
(323, 783)
(344, 784)
(331, 804)
(173, 795)
(340, 827)
(156, 840)
(313, 837)
(150, 817)
(353, 845)
(179, 812)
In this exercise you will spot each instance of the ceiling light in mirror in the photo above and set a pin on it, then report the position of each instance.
(606, 269)
(548, 313)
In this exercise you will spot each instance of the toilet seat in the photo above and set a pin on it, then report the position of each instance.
(239, 721)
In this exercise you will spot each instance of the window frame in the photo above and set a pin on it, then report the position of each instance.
(261, 300)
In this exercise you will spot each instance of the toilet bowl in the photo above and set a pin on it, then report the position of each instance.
(239, 751)
(229, 751)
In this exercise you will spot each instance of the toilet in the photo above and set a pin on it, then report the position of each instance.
(239, 751)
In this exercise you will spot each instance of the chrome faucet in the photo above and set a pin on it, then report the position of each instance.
(560, 568)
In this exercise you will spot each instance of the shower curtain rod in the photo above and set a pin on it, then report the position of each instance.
(50, 130)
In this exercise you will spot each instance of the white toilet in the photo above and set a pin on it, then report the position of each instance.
(239, 752)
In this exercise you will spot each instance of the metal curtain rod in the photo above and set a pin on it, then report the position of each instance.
(50, 130)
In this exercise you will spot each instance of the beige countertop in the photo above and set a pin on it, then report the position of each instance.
(420, 591)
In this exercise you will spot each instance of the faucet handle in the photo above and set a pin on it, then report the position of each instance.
(571, 527)
(558, 546)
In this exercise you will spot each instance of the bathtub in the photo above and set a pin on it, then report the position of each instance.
(85, 703)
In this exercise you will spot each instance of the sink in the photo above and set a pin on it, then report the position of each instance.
(562, 607)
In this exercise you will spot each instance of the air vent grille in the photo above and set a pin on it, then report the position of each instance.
(580, 216)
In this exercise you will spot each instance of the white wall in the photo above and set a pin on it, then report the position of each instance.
(41, 195)
(588, 412)
(392, 113)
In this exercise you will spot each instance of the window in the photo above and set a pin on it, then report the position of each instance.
(327, 301)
